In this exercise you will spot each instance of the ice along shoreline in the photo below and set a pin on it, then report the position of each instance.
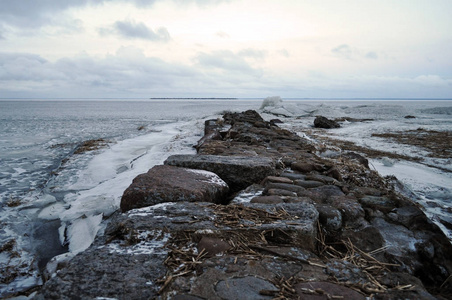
(312, 219)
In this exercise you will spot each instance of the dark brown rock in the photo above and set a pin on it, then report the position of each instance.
(212, 245)
(382, 203)
(294, 176)
(276, 121)
(280, 192)
(306, 167)
(325, 192)
(277, 179)
(284, 186)
(350, 208)
(237, 171)
(329, 217)
(358, 158)
(267, 199)
(335, 173)
(322, 122)
(249, 116)
(236, 288)
(367, 239)
(361, 191)
(322, 178)
(308, 183)
(173, 184)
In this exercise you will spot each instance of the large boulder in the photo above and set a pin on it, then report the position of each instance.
(238, 172)
(322, 122)
(173, 184)
(249, 116)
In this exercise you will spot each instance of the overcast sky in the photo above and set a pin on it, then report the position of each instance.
(226, 48)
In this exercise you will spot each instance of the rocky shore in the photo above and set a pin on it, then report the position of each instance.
(256, 214)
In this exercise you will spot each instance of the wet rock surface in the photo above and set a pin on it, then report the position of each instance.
(291, 225)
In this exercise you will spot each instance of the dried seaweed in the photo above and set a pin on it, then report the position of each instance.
(233, 215)
(365, 261)
(91, 145)
(371, 153)
(438, 143)
(13, 202)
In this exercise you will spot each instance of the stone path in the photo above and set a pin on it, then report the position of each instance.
(314, 228)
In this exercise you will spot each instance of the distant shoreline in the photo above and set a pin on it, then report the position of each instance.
(192, 98)
(2, 99)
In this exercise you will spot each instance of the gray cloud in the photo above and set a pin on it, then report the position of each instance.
(222, 34)
(122, 75)
(284, 52)
(253, 53)
(33, 13)
(343, 51)
(226, 61)
(201, 3)
(372, 55)
(132, 30)
(128, 73)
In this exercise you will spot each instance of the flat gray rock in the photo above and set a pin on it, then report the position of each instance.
(244, 288)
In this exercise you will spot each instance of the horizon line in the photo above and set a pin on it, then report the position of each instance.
(219, 98)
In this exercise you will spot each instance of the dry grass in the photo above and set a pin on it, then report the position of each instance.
(365, 261)
(233, 215)
(371, 153)
(438, 143)
(13, 202)
(8, 246)
(90, 145)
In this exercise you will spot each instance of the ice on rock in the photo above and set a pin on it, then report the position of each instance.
(52, 265)
(81, 232)
(387, 162)
(275, 106)
(274, 101)
(52, 211)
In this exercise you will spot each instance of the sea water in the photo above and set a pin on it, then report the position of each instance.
(54, 200)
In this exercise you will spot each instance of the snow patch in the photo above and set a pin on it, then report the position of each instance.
(210, 177)
(148, 210)
(145, 246)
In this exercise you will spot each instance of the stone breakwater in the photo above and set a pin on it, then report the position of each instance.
(256, 214)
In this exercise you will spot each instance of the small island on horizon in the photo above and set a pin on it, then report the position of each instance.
(193, 98)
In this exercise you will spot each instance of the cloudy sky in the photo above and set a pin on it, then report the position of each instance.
(226, 48)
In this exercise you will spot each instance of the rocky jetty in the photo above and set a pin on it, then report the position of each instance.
(256, 214)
